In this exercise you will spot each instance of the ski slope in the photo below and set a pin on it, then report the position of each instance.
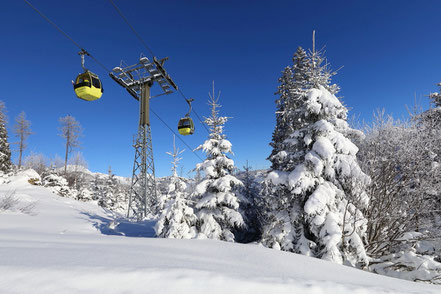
(66, 246)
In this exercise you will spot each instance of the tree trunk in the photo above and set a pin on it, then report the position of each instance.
(67, 151)
(21, 149)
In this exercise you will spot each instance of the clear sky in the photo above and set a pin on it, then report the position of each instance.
(390, 50)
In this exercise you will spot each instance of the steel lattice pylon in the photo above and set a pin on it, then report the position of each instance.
(143, 199)
(143, 187)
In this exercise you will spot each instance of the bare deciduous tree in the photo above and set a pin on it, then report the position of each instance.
(22, 130)
(37, 162)
(70, 130)
(399, 159)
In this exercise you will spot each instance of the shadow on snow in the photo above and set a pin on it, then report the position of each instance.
(121, 226)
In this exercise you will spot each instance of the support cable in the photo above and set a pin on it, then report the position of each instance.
(179, 137)
(131, 27)
(66, 35)
(106, 69)
(153, 55)
(194, 111)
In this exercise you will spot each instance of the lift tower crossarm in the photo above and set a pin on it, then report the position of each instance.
(143, 197)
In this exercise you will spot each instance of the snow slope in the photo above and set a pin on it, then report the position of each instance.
(66, 246)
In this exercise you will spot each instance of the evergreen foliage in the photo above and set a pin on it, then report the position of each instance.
(5, 151)
(313, 202)
(177, 219)
(217, 193)
(249, 206)
(112, 194)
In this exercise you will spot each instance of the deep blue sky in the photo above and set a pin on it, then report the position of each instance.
(390, 50)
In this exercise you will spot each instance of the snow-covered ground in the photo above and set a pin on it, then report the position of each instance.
(65, 246)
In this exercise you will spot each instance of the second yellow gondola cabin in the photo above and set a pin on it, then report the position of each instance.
(88, 86)
(186, 126)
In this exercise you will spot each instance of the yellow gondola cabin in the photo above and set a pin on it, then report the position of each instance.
(88, 86)
(186, 126)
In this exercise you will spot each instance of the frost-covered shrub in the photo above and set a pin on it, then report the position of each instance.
(401, 159)
(5, 177)
(9, 202)
(37, 162)
(85, 195)
(408, 265)
(58, 185)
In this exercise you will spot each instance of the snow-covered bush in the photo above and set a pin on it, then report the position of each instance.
(9, 202)
(408, 265)
(436, 97)
(401, 159)
(5, 177)
(58, 185)
(84, 194)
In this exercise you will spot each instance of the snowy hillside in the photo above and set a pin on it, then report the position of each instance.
(88, 174)
(59, 245)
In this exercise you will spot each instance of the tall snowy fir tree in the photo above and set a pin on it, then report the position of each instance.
(177, 219)
(5, 151)
(291, 83)
(217, 193)
(314, 200)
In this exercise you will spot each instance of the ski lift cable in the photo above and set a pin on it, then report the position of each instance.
(194, 111)
(104, 67)
(132, 28)
(153, 55)
(66, 35)
(176, 135)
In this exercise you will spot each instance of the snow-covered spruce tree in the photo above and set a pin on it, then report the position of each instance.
(276, 198)
(5, 151)
(249, 206)
(177, 219)
(314, 202)
(108, 190)
(113, 196)
(292, 83)
(97, 188)
(217, 194)
(84, 194)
